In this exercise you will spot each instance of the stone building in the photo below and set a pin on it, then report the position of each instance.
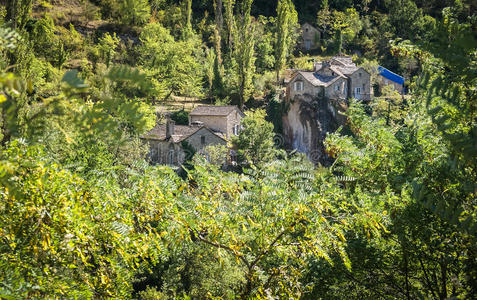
(387, 78)
(208, 125)
(338, 78)
(316, 101)
(310, 37)
(225, 119)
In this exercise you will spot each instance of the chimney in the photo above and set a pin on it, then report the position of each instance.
(317, 66)
(169, 128)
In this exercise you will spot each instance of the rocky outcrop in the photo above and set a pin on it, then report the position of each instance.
(306, 123)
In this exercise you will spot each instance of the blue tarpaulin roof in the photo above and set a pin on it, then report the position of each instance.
(390, 75)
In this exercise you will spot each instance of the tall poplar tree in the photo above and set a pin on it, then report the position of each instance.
(187, 19)
(244, 54)
(287, 19)
(230, 22)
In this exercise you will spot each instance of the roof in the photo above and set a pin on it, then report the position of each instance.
(313, 27)
(318, 79)
(343, 60)
(181, 133)
(390, 75)
(215, 110)
(345, 70)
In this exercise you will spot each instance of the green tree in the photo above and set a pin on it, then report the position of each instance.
(187, 26)
(134, 12)
(287, 20)
(254, 143)
(244, 52)
(107, 47)
(172, 66)
(346, 26)
(18, 12)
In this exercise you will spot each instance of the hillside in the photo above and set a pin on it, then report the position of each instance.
(196, 149)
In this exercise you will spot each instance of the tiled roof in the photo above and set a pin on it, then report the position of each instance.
(343, 60)
(318, 79)
(214, 110)
(347, 70)
(181, 132)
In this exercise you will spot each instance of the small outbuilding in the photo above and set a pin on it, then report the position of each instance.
(386, 78)
(310, 37)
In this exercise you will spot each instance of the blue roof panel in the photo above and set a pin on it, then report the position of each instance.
(390, 75)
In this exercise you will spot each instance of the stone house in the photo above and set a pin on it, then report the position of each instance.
(224, 119)
(338, 78)
(310, 37)
(386, 77)
(316, 101)
(208, 125)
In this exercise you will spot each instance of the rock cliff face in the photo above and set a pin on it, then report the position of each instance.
(306, 123)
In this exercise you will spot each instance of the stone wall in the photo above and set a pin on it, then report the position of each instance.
(216, 123)
(362, 81)
(168, 153)
(165, 153)
(210, 138)
(223, 124)
(233, 119)
(384, 82)
(341, 93)
(308, 88)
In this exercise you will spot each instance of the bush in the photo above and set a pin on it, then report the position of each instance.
(181, 117)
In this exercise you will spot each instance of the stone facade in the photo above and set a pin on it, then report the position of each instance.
(208, 125)
(310, 37)
(360, 83)
(338, 78)
(224, 119)
(383, 81)
(170, 152)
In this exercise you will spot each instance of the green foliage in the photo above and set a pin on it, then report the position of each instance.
(244, 51)
(215, 155)
(84, 216)
(8, 38)
(134, 12)
(59, 238)
(171, 66)
(181, 117)
(287, 23)
(107, 47)
(254, 143)
(274, 217)
(18, 12)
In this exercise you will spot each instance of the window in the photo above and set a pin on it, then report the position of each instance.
(359, 74)
(358, 90)
(306, 29)
(337, 87)
(236, 129)
(298, 85)
(202, 140)
(170, 158)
